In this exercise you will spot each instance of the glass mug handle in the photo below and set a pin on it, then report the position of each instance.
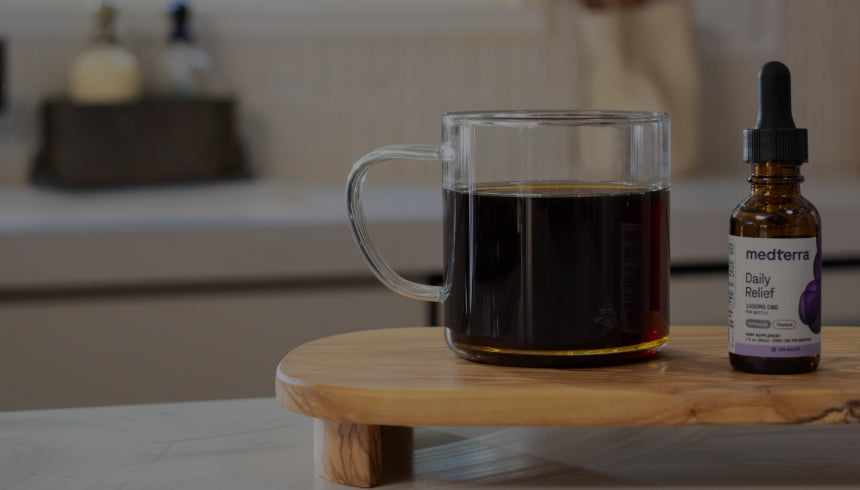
(358, 223)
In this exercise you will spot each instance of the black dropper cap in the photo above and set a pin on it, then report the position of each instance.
(775, 138)
(180, 12)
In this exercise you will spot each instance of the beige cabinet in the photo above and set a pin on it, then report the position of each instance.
(81, 352)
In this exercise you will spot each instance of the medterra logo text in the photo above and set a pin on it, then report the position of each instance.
(777, 254)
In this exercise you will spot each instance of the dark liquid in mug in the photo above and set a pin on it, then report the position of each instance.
(553, 274)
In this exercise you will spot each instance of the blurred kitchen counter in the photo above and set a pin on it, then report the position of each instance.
(197, 292)
(262, 231)
(246, 231)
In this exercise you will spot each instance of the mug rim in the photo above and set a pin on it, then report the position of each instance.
(554, 117)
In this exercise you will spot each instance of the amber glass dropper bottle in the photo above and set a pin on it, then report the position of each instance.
(775, 245)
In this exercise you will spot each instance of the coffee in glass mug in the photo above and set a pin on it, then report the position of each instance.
(556, 235)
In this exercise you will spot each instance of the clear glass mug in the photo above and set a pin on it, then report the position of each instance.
(556, 235)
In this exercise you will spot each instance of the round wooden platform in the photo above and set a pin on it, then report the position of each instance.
(409, 377)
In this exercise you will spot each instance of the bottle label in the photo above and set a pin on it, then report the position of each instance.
(774, 296)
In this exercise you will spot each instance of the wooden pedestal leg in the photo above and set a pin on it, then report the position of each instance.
(350, 454)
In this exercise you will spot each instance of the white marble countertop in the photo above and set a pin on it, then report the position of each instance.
(255, 444)
(262, 230)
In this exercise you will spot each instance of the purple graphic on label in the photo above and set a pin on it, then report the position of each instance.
(809, 308)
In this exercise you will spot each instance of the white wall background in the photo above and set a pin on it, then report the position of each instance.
(322, 82)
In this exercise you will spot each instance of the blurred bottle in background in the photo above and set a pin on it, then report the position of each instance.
(183, 66)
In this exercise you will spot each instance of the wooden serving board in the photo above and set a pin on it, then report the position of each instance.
(357, 382)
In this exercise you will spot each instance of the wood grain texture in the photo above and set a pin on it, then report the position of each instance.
(350, 454)
(408, 376)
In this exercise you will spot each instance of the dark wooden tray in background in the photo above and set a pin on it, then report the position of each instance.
(156, 141)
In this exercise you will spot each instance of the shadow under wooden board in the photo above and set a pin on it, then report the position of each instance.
(356, 383)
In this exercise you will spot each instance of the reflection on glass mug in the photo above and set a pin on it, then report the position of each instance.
(556, 235)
